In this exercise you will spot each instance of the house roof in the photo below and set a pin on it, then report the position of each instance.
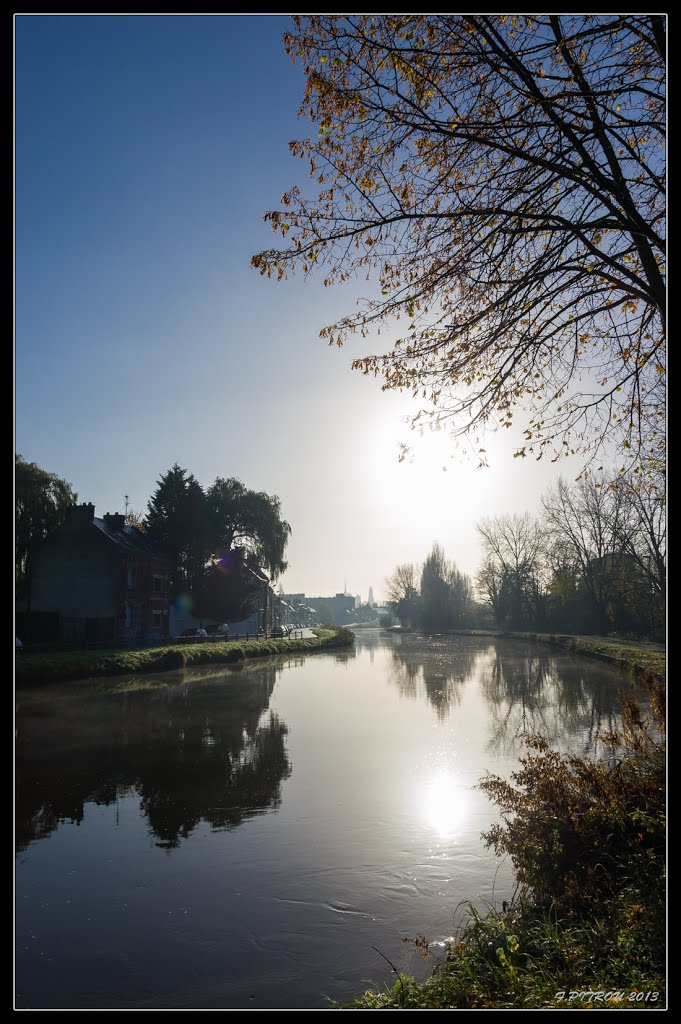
(257, 571)
(128, 538)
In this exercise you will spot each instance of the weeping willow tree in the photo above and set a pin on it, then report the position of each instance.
(42, 501)
(501, 179)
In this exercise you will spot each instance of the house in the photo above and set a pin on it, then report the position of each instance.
(236, 590)
(336, 610)
(104, 578)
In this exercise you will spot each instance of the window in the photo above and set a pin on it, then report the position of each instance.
(159, 584)
(157, 619)
(131, 577)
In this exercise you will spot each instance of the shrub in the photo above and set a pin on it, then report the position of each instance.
(344, 637)
(578, 829)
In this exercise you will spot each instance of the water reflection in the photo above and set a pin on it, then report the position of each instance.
(435, 667)
(530, 689)
(445, 804)
(377, 835)
(202, 747)
(527, 687)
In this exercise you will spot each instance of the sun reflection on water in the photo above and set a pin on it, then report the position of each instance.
(445, 805)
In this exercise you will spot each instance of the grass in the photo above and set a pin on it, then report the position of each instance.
(630, 657)
(45, 668)
(637, 658)
(527, 961)
(587, 842)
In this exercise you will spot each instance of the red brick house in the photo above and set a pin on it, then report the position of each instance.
(104, 578)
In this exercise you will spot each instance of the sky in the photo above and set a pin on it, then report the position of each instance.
(147, 150)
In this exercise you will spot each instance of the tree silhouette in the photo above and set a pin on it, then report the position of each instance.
(502, 176)
(213, 537)
(42, 501)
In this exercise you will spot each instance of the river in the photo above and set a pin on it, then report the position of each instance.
(267, 836)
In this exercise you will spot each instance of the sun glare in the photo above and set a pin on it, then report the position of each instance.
(445, 805)
(439, 491)
(433, 495)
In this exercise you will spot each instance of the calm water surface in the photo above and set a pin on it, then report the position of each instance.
(252, 838)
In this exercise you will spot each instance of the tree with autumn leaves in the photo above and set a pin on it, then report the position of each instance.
(502, 179)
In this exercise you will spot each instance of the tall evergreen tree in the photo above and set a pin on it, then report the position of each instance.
(445, 593)
(177, 519)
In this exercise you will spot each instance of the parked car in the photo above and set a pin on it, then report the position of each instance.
(278, 631)
(219, 632)
(195, 631)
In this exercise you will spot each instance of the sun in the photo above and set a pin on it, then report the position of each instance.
(434, 494)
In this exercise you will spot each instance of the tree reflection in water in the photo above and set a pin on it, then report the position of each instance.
(196, 747)
(531, 690)
(526, 686)
(435, 666)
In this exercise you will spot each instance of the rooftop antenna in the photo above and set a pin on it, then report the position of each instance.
(126, 505)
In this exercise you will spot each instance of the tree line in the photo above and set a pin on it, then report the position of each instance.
(592, 561)
(222, 541)
(434, 596)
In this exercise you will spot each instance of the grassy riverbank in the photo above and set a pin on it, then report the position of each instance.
(636, 657)
(45, 668)
(628, 656)
(587, 842)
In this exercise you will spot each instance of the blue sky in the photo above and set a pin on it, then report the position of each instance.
(147, 149)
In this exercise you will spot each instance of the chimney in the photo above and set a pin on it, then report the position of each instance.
(82, 515)
(115, 521)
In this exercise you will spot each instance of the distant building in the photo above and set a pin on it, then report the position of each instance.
(371, 597)
(301, 613)
(285, 612)
(342, 606)
(312, 609)
(104, 578)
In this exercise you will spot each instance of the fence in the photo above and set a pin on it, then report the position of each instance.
(139, 642)
(261, 635)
